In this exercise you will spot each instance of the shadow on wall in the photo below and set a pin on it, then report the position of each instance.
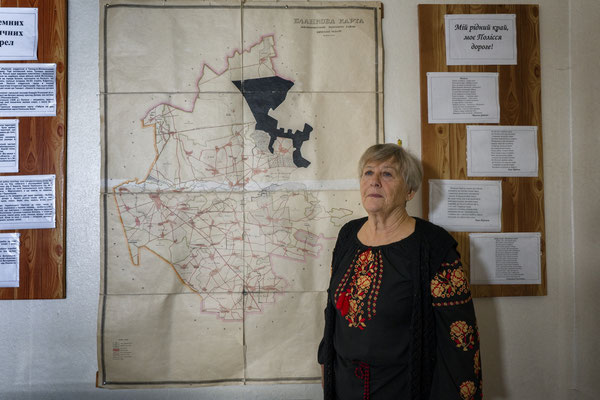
(491, 354)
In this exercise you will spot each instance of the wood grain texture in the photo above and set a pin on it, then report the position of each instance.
(42, 150)
(444, 146)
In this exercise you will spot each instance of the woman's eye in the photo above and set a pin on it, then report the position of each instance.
(368, 173)
(388, 174)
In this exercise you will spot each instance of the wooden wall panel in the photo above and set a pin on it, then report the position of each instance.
(443, 146)
(42, 150)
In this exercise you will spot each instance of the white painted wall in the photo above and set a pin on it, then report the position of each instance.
(585, 186)
(533, 348)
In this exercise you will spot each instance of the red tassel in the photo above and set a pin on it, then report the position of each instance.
(343, 304)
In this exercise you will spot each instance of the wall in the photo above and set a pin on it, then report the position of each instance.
(585, 103)
(533, 348)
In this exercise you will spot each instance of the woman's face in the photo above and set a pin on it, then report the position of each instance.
(382, 188)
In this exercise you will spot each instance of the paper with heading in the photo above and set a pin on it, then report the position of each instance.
(27, 202)
(481, 39)
(9, 259)
(461, 97)
(9, 145)
(18, 33)
(466, 206)
(502, 150)
(27, 90)
(505, 258)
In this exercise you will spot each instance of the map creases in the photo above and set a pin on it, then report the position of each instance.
(221, 239)
(231, 132)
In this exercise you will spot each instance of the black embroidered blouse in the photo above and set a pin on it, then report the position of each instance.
(399, 320)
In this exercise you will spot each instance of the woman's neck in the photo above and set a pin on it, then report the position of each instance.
(385, 229)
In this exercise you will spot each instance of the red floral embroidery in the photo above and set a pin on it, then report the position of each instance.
(357, 293)
(463, 335)
(343, 304)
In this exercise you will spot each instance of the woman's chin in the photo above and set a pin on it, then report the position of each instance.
(374, 211)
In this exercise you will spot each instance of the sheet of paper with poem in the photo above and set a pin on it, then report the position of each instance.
(505, 258)
(502, 150)
(466, 206)
(463, 97)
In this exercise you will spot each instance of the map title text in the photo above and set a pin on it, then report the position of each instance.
(323, 21)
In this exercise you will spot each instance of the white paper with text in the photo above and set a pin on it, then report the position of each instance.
(27, 90)
(481, 39)
(9, 145)
(505, 258)
(9, 259)
(466, 206)
(27, 202)
(457, 97)
(502, 150)
(18, 33)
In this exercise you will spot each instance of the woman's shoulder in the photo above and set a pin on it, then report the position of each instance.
(434, 235)
(352, 227)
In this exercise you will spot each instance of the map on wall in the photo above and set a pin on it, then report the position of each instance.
(231, 136)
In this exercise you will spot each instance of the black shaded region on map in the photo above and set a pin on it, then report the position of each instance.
(264, 94)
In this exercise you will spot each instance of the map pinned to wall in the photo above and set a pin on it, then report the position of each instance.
(231, 136)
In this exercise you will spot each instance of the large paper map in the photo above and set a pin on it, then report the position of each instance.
(231, 136)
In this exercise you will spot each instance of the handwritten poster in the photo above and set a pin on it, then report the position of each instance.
(481, 39)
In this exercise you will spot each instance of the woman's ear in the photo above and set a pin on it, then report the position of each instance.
(410, 195)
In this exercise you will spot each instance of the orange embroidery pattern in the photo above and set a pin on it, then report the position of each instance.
(452, 303)
(359, 288)
(477, 363)
(467, 390)
(449, 282)
(463, 335)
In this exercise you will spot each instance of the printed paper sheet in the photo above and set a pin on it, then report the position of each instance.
(505, 258)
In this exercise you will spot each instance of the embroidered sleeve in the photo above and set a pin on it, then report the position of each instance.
(457, 372)
(449, 287)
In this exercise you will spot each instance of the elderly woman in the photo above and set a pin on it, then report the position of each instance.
(399, 321)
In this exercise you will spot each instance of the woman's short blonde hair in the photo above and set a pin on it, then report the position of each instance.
(406, 164)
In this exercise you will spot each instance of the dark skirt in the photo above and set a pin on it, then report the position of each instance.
(355, 380)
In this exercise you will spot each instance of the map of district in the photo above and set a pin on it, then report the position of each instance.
(229, 167)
